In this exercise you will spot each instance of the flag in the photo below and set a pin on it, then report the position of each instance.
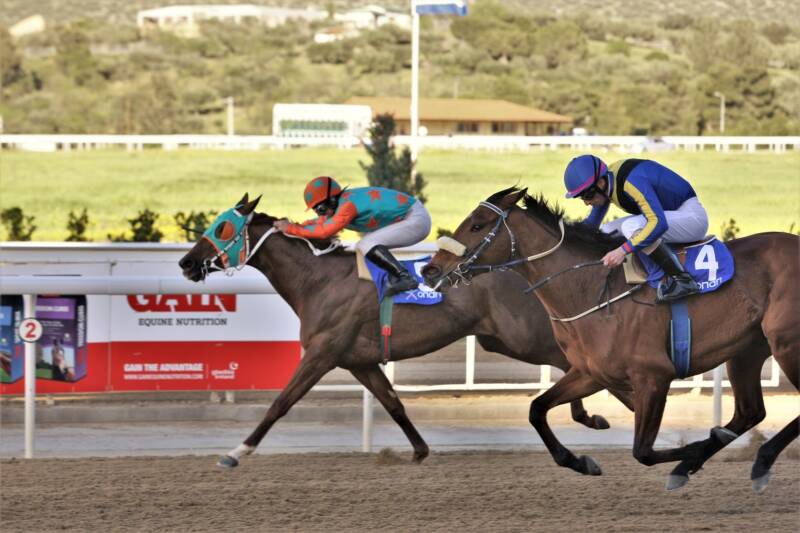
(440, 7)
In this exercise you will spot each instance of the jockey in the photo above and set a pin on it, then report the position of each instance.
(663, 208)
(390, 219)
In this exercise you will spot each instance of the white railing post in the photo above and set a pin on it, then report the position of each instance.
(544, 376)
(366, 434)
(470, 364)
(29, 311)
(718, 396)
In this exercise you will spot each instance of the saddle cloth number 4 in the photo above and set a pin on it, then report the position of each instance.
(707, 260)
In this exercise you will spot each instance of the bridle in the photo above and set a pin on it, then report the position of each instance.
(464, 270)
(210, 264)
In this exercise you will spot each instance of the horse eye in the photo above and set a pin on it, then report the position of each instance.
(476, 227)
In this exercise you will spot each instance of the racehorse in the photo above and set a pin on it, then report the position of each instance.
(339, 322)
(624, 345)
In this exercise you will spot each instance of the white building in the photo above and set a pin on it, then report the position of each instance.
(320, 120)
(184, 19)
(28, 26)
(372, 16)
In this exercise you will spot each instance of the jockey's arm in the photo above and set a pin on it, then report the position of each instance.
(645, 197)
(324, 227)
(596, 215)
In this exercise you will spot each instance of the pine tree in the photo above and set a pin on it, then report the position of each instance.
(387, 169)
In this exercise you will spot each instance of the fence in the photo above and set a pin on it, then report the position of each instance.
(625, 143)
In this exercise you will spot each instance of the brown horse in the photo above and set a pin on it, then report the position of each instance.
(339, 324)
(623, 347)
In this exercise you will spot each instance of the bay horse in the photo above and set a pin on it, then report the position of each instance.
(339, 322)
(624, 346)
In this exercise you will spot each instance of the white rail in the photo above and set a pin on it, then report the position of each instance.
(627, 143)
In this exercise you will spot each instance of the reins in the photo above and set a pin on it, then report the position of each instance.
(463, 269)
(209, 265)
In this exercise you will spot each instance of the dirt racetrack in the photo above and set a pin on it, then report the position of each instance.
(465, 491)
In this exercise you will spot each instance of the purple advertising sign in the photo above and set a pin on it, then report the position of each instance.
(61, 352)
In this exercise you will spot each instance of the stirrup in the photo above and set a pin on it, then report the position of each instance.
(672, 289)
(401, 284)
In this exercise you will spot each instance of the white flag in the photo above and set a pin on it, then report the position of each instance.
(440, 7)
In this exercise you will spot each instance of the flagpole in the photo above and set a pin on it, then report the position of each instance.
(414, 80)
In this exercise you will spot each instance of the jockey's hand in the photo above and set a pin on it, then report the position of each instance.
(614, 257)
(281, 224)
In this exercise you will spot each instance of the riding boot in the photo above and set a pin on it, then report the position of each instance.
(400, 280)
(678, 283)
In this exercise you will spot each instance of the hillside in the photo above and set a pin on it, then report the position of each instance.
(785, 11)
(653, 75)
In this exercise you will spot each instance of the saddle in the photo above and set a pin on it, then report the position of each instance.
(635, 272)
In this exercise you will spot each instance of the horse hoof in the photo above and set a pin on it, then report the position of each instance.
(676, 481)
(588, 466)
(724, 435)
(226, 461)
(600, 422)
(760, 483)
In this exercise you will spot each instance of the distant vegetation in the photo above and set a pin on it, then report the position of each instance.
(619, 67)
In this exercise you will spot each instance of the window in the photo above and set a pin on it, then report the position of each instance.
(467, 127)
(504, 127)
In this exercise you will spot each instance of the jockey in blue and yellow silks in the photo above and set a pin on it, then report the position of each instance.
(663, 207)
(391, 219)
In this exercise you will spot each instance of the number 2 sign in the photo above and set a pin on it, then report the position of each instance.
(30, 330)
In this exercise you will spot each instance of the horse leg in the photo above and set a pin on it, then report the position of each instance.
(377, 383)
(573, 386)
(649, 398)
(579, 413)
(785, 354)
(581, 416)
(308, 373)
(744, 373)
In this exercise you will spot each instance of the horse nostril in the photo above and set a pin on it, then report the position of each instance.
(186, 263)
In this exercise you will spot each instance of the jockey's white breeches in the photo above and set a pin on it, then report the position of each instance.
(409, 231)
(688, 223)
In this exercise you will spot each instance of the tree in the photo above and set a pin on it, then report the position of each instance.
(74, 58)
(386, 169)
(10, 60)
(18, 226)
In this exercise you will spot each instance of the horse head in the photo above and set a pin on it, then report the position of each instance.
(476, 241)
(225, 244)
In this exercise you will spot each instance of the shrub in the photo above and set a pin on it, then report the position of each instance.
(194, 223)
(18, 226)
(77, 225)
(728, 230)
(142, 228)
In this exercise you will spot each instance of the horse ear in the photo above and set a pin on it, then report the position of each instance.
(510, 200)
(243, 201)
(249, 207)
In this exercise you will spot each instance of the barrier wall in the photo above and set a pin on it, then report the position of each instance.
(166, 342)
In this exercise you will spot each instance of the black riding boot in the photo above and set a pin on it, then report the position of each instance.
(679, 283)
(400, 279)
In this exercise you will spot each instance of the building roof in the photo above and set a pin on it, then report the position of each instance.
(459, 109)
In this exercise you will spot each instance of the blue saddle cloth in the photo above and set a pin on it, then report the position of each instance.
(710, 264)
(422, 295)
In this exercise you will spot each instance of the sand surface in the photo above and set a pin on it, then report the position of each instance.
(456, 491)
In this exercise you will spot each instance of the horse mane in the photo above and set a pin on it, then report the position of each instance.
(575, 232)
